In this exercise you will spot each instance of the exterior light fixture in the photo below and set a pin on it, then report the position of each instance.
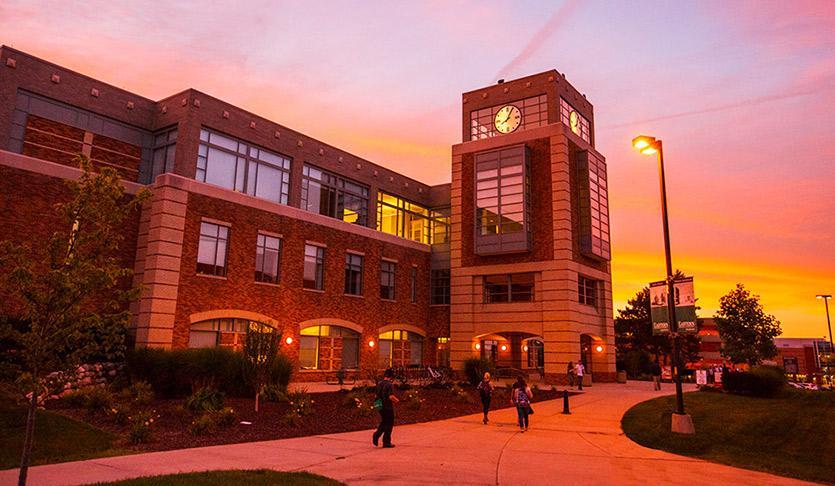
(289, 340)
(371, 343)
(504, 347)
(477, 346)
(525, 348)
(598, 348)
(645, 144)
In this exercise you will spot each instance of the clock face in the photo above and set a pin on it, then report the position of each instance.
(574, 121)
(508, 119)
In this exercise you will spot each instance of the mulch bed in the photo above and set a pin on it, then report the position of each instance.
(330, 416)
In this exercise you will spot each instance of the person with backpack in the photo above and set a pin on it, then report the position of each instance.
(485, 390)
(579, 370)
(385, 405)
(656, 375)
(521, 397)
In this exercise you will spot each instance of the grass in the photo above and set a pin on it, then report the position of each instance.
(57, 438)
(790, 436)
(221, 478)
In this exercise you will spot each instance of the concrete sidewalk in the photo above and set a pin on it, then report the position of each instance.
(586, 447)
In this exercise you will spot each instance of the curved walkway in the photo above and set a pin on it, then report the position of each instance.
(586, 447)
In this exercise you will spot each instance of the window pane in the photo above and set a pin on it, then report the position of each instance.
(220, 169)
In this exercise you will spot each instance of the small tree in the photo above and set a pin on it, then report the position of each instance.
(747, 332)
(261, 349)
(66, 302)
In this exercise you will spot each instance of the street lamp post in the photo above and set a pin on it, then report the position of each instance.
(681, 422)
(826, 298)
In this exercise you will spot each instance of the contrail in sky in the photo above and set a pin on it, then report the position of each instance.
(538, 40)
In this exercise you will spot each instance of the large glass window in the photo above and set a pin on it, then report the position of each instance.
(399, 217)
(400, 348)
(211, 250)
(314, 267)
(501, 191)
(329, 348)
(231, 163)
(165, 144)
(224, 332)
(439, 283)
(515, 287)
(587, 290)
(267, 258)
(440, 226)
(387, 280)
(334, 196)
(575, 121)
(593, 205)
(534, 114)
(353, 274)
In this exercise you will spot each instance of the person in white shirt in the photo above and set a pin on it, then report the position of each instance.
(579, 371)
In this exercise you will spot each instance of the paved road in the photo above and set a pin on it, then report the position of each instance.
(586, 447)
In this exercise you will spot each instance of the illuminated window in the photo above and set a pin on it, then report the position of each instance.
(400, 348)
(576, 122)
(211, 249)
(593, 205)
(387, 274)
(334, 196)
(314, 267)
(587, 290)
(228, 162)
(328, 348)
(224, 332)
(502, 188)
(516, 287)
(353, 274)
(534, 114)
(439, 283)
(399, 217)
(267, 258)
(165, 144)
(440, 226)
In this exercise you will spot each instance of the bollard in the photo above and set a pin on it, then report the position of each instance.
(565, 410)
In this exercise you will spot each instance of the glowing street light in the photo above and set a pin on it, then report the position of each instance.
(681, 422)
(825, 298)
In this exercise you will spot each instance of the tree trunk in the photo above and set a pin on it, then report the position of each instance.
(257, 396)
(28, 438)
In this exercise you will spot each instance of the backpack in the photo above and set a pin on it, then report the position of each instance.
(522, 399)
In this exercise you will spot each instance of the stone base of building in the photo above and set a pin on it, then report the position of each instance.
(599, 377)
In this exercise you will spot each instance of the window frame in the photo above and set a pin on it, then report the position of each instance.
(439, 294)
(339, 189)
(318, 260)
(588, 290)
(388, 280)
(167, 146)
(534, 110)
(354, 274)
(503, 285)
(413, 284)
(261, 246)
(223, 268)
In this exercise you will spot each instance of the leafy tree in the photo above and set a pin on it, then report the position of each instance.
(634, 340)
(261, 351)
(65, 301)
(747, 332)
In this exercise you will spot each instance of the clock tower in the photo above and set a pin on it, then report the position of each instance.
(531, 285)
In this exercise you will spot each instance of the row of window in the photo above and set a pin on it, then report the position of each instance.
(214, 245)
(519, 287)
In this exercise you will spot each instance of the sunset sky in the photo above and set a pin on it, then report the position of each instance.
(742, 93)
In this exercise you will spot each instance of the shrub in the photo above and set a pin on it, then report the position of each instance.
(360, 402)
(205, 399)
(119, 414)
(300, 403)
(141, 392)
(95, 399)
(474, 369)
(172, 372)
(226, 417)
(460, 394)
(140, 427)
(761, 381)
(272, 393)
(412, 400)
(202, 425)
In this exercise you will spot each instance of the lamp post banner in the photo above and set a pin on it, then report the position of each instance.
(685, 303)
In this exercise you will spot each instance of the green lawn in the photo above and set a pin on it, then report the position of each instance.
(222, 478)
(57, 438)
(790, 436)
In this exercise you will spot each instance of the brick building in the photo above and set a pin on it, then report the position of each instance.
(254, 227)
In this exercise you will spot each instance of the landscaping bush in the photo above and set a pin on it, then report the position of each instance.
(761, 381)
(202, 425)
(273, 393)
(412, 400)
(205, 399)
(474, 369)
(95, 399)
(139, 392)
(226, 417)
(140, 427)
(119, 413)
(172, 372)
(460, 394)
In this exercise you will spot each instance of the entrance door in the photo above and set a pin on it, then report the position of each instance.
(585, 352)
(490, 350)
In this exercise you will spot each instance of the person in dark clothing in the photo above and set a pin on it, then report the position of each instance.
(385, 394)
(656, 375)
(485, 390)
(520, 397)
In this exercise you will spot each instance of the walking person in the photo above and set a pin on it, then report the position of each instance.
(656, 375)
(385, 400)
(521, 397)
(571, 374)
(485, 391)
(579, 370)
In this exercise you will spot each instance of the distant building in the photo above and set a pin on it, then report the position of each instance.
(802, 357)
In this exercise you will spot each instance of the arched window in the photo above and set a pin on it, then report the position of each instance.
(400, 348)
(329, 348)
(224, 332)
